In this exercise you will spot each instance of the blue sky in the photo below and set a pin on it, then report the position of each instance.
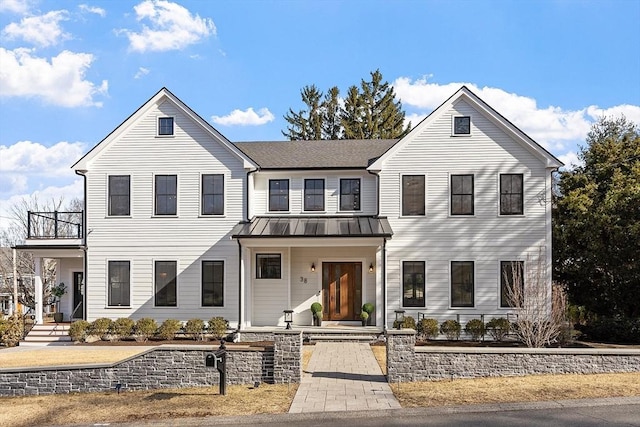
(70, 72)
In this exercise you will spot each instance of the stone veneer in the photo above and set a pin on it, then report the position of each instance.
(406, 362)
(166, 366)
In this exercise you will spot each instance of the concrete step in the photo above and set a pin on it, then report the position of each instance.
(48, 333)
(343, 338)
(47, 338)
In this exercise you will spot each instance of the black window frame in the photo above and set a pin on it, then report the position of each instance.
(506, 279)
(212, 284)
(461, 195)
(271, 268)
(411, 273)
(165, 288)
(350, 195)
(116, 196)
(507, 194)
(461, 128)
(458, 280)
(418, 196)
(278, 197)
(123, 280)
(212, 194)
(163, 199)
(313, 195)
(166, 126)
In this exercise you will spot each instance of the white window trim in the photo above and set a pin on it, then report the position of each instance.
(401, 302)
(339, 192)
(524, 273)
(106, 288)
(524, 199)
(153, 283)
(453, 126)
(106, 210)
(224, 283)
(475, 287)
(449, 175)
(224, 200)
(158, 126)
(324, 196)
(153, 183)
(268, 199)
(401, 191)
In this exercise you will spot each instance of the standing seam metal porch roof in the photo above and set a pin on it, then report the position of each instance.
(278, 227)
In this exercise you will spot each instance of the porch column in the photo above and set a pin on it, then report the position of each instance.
(14, 303)
(38, 290)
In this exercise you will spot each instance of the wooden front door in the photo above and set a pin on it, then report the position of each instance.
(341, 290)
(78, 297)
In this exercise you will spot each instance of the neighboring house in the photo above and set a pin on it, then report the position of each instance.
(182, 223)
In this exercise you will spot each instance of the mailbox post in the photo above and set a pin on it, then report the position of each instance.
(218, 360)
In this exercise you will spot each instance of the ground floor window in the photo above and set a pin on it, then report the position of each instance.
(212, 283)
(165, 284)
(118, 283)
(462, 284)
(413, 284)
(511, 283)
(268, 266)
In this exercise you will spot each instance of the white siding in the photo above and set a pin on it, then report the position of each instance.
(439, 238)
(270, 296)
(142, 238)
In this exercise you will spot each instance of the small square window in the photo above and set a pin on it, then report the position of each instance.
(462, 125)
(268, 266)
(165, 126)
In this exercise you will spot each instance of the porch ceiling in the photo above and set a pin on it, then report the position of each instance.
(313, 227)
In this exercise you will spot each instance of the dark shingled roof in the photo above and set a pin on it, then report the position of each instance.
(325, 154)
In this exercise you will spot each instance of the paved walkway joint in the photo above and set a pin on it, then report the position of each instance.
(343, 377)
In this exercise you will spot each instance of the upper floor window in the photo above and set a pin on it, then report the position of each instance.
(413, 283)
(166, 195)
(268, 266)
(212, 283)
(511, 283)
(350, 194)
(314, 194)
(511, 194)
(165, 126)
(279, 195)
(413, 195)
(118, 284)
(462, 195)
(165, 284)
(462, 284)
(212, 194)
(462, 125)
(119, 195)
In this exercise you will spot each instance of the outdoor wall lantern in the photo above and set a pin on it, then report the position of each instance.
(288, 318)
(371, 268)
(399, 319)
(313, 267)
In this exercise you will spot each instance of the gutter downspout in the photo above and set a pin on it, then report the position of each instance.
(239, 286)
(384, 284)
(84, 245)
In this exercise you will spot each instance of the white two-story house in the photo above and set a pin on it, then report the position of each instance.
(182, 223)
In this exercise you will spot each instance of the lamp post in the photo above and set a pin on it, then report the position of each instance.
(288, 318)
(399, 319)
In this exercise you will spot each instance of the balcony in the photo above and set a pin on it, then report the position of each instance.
(66, 227)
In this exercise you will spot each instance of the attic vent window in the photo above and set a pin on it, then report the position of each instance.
(462, 125)
(165, 126)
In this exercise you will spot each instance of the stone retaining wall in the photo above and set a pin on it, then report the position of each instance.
(163, 367)
(406, 362)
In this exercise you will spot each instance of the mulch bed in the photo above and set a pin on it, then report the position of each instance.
(153, 342)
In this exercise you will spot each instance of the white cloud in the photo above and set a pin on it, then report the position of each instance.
(59, 82)
(551, 126)
(35, 158)
(141, 72)
(245, 118)
(570, 160)
(171, 27)
(43, 30)
(15, 6)
(92, 9)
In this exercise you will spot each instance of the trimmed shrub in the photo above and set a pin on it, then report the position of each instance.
(475, 328)
(100, 327)
(316, 307)
(169, 329)
(368, 308)
(78, 330)
(122, 327)
(408, 323)
(195, 329)
(498, 328)
(218, 327)
(451, 329)
(145, 328)
(428, 328)
(11, 330)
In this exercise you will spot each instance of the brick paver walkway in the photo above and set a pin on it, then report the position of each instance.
(343, 377)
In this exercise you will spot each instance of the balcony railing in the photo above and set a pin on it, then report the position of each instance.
(54, 225)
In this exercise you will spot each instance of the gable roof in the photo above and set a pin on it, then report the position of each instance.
(487, 111)
(163, 95)
(325, 154)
